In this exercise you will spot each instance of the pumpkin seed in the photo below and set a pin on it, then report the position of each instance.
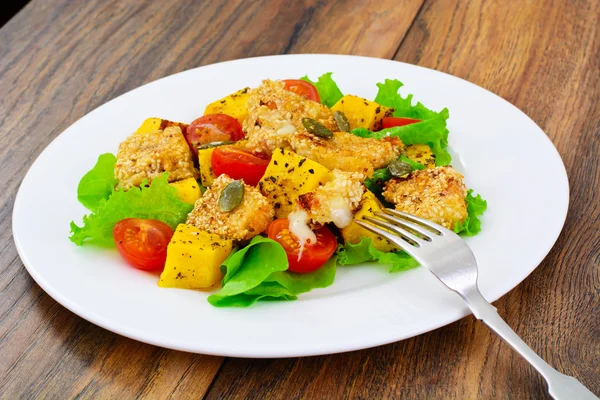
(399, 168)
(316, 128)
(341, 121)
(214, 144)
(231, 196)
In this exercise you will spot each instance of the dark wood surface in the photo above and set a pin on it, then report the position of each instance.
(60, 59)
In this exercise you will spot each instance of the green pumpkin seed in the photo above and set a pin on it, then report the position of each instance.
(316, 128)
(214, 144)
(231, 196)
(341, 121)
(399, 168)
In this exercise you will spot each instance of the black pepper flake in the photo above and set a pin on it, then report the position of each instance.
(260, 185)
(275, 162)
(366, 104)
(273, 179)
(301, 162)
(223, 101)
(286, 165)
(312, 171)
(277, 206)
(291, 170)
(377, 110)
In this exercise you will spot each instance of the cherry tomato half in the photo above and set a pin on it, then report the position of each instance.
(389, 122)
(143, 242)
(302, 88)
(213, 128)
(313, 256)
(239, 164)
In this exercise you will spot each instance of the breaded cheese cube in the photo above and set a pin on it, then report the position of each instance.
(250, 218)
(436, 194)
(275, 114)
(336, 201)
(148, 155)
(348, 152)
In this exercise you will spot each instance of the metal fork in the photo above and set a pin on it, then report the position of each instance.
(451, 260)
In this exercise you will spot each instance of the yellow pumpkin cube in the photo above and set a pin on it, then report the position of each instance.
(422, 154)
(158, 124)
(362, 113)
(288, 176)
(189, 189)
(369, 205)
(233, 105)
(207, 176)
(194, 259)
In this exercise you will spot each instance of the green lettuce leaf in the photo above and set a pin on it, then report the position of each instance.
(431, 132)
(327, 88)
(98, 183)
(363, 251)
(158, 201)
(376, 182)
(432, 128)
(476, 206)
(388, 96)
(259, 272)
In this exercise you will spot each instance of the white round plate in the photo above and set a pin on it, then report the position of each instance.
(503, 154)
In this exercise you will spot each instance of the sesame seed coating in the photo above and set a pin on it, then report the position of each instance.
(344, 186)
(275, 114)
(436, 194)
(347, 152)
(147, 155)
(250, 218)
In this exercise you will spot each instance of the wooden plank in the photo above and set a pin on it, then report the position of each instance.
(545, 58)
(61, 59)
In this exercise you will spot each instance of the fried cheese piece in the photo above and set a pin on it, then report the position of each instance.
(336, 201)
(436, 194)
(347, 152)
(250, 218)
(148, 155)
(275, 115)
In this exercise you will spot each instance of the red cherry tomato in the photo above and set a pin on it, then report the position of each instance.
(313, 256)
(143, 242)
(239, 164)
(302, 88)
(389, 122)
(213, 128)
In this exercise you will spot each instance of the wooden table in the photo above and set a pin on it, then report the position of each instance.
(61, 58)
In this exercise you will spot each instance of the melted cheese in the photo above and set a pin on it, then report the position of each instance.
(287, 128)
(300, 229)
(340, 212)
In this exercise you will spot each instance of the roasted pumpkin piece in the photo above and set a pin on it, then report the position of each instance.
(233, 105)
(158, 124)
(422, 154)
(189, 189)
(287, 177)
(369, 205)
(362, 113)
(194, 258)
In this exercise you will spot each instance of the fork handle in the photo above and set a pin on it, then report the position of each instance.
(560, 386)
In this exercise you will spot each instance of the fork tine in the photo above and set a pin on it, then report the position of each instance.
(398, 241)
(404, 233)
(426, 233)
(438, 229)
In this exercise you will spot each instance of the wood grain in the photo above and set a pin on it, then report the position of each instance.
(545, 58)
(59, 60)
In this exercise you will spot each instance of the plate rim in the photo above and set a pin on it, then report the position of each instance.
(143, 337)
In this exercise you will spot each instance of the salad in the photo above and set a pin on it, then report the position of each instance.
(256, 199)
